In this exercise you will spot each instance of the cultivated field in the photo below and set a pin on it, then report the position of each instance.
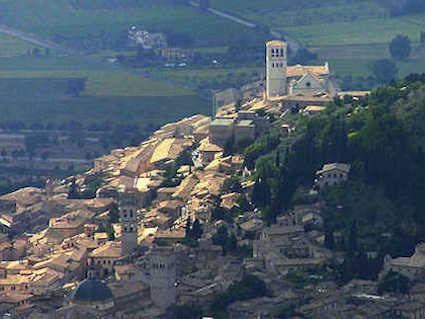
(34, 89)
(53, 18)
(349, 34)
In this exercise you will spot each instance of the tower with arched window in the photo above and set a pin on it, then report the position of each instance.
(163, 277)
(276, 65)
(128, 219)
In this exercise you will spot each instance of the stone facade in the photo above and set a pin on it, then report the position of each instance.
(276, 64)
(163, 277)
(128, 218)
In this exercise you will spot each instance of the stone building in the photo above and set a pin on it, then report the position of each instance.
(332, 174)
(128, 218)
(276, 64)
(163, 277)
(283, 80)
(412, 267)
(94, 294)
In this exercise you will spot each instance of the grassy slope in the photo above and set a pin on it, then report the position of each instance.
(51, 17)
(11, 46)
(349, 34)
(32, 91)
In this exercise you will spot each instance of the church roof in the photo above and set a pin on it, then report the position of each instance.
(92, 291)
(300, 70)
(276, 43)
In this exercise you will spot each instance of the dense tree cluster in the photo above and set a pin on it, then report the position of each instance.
(398, 7)
(382, 136)
(249, 287)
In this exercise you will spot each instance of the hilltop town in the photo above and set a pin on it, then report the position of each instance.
(172, 224)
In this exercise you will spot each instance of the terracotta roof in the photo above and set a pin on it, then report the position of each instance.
(275, 43)
(334, 166)
(110, 249)
(207, 146)
(299, 70)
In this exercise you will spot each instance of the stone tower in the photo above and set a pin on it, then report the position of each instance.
(276, 64)
(163, 277)
(128, 219)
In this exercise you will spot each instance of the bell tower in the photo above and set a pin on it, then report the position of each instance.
(163, 277)
(276, 65)
(128, 219)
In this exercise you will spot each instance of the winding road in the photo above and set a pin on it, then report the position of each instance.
(33, 39)
(293, 44)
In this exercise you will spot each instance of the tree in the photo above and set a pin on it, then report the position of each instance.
(352, 240)
(384, 70)
(394, 282)
(196, 231)
(400, 47)
(238, 105)
(188, 228)
(75, 86)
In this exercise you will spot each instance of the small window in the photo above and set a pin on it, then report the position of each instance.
(308, 84)
(281, 52)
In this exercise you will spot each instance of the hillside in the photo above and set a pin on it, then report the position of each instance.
(382, 138)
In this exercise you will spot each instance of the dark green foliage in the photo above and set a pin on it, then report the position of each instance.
(229, 147)
(384, 70)
(184, 158)
(303, 57)
(244, 204)
(90, 189)
(114, 214)
(76, 85)
(394, 282)
(400, 47)
(286, 311)
(249, 287)
(228, 242)
(232, 184)
(194, 231)
(382, 136)
(398, 7)
(221, 213)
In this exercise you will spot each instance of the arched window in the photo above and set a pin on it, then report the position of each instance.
(272, 52)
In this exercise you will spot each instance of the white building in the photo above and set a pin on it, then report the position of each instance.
(332, 174)
(284, 80)
(276, 63)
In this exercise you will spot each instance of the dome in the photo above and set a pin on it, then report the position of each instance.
(92, 291)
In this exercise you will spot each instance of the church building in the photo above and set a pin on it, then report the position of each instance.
(284, 80)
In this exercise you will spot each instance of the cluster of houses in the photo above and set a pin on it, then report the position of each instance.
(125, 253)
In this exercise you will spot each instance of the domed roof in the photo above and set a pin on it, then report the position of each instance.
(92, 291)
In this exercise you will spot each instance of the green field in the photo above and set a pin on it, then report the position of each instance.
(51, 18)
(11, 46)
(348, 34)
(229, 77)
(34, 89)
(364, 31)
